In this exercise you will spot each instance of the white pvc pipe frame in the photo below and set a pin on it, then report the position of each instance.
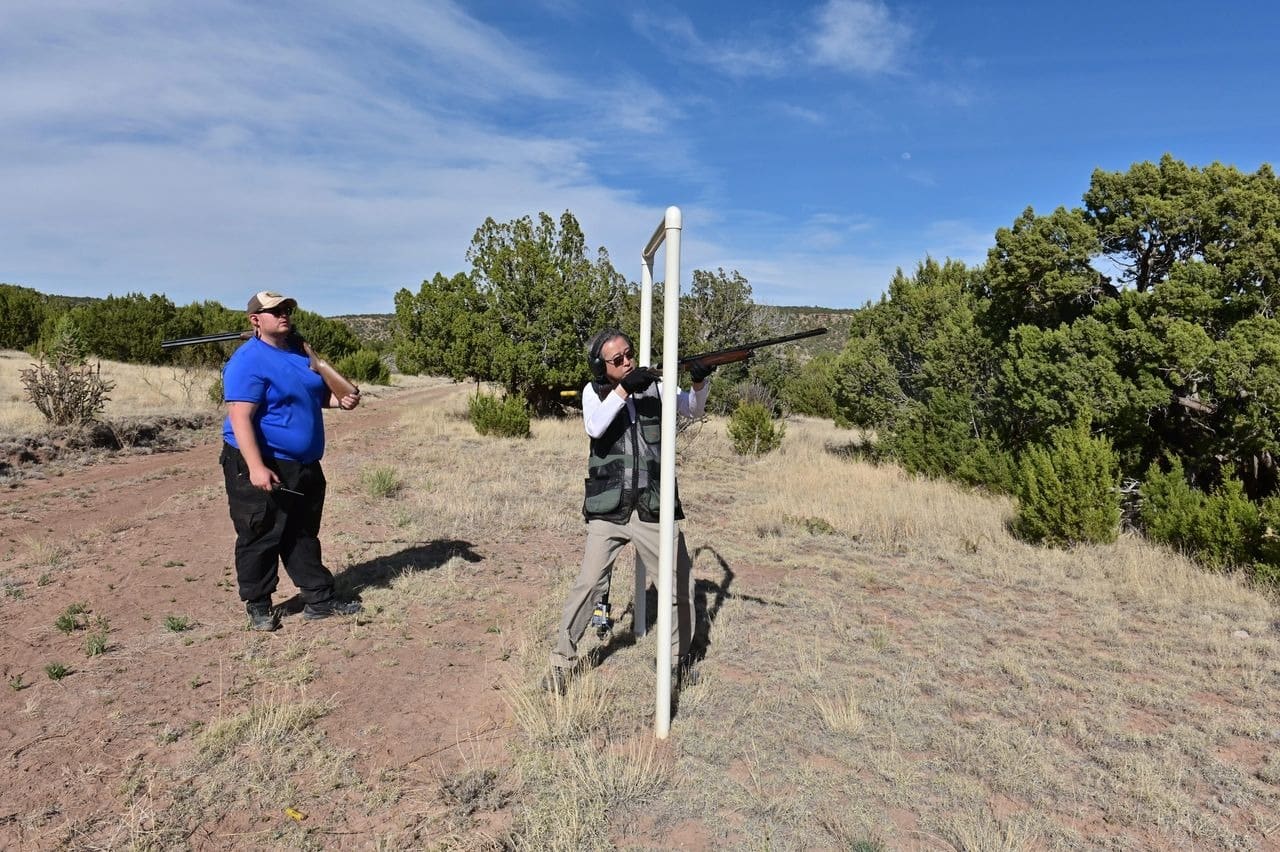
(668, 232)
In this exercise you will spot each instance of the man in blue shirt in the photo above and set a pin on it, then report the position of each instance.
(274, 439)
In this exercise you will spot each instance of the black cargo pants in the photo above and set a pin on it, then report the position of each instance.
(277, 527)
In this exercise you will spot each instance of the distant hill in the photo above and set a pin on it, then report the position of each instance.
(790, 319)
(372, 328)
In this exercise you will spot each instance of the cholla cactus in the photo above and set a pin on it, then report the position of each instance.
(66, 393)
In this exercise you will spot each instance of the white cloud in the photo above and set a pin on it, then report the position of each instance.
(851, 36)
(859, 36)
(209, 153)
(340, 152)
(738, 56)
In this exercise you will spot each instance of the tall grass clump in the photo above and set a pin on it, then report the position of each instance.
(507, 417)
(382, 481)
(1068, 492)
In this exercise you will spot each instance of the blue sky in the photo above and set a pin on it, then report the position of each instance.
(339, 151)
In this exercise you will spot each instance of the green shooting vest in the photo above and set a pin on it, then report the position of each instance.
(624, 465)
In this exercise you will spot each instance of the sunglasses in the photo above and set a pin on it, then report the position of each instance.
(277, 312)
(617, 360)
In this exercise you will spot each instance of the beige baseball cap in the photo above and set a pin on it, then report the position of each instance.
(266, 299)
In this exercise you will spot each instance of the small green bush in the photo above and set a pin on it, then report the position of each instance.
(1220, 530)
(1068, 492)
(216, 391)
(1266, 568)
(507, 417)
(57, 671)
(810, 389)
(753, 431)
(364, 366)
(177, 623)
(70, 619)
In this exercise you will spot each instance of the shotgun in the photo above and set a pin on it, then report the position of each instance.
(338, 384)
(734, 354)
(731, 355)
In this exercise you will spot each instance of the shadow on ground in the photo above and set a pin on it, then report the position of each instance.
(709, 597)
(379, 572)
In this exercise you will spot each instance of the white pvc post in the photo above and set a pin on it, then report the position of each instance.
(640, 601)
(668, 232)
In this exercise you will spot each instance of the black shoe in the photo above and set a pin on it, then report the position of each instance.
(557, 680)
(324, 609)
(260, 615)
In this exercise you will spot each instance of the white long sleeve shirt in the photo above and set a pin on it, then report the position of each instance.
(598, 413)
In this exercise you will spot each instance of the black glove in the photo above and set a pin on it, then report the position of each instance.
(699, 371)
(638, 380)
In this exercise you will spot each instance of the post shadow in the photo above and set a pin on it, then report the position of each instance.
(378, 572)
(709, 597)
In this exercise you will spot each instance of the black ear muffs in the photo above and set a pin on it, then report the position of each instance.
(594, 361)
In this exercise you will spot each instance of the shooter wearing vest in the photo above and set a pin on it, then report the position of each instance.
(622, 414)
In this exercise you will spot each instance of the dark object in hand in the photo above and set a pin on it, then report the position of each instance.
(699, 371)
(638, 380)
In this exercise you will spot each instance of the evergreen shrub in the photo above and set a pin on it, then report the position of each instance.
(1266, 568)
(1068, 492)
(507, 417)
(937, 442)
(365, 366)
(1221, 529)
(753, 431)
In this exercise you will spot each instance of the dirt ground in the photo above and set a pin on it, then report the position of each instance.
(885, 662)
(144, 540)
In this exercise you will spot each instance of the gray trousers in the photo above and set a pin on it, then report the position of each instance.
(604, 540)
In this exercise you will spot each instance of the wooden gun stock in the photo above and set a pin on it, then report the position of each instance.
(338, 384)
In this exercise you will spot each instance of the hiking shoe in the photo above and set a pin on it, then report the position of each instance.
(324, 609)
(556, 681)
(261, 616)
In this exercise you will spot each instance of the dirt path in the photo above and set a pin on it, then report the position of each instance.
(145, 543)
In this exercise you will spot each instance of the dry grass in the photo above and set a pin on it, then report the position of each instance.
(139, 390)
(887, 668)
(887, 665)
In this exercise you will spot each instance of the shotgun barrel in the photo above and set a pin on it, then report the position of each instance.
(740, 353)
(734, 354)
(337, 383)
(207, 338)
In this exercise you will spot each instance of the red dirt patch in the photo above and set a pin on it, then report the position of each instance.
(142, 539)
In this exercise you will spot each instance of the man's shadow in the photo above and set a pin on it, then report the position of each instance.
(378, 573)
(709, 597)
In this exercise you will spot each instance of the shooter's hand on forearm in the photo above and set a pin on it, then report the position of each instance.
(699, 371)
(346, 403)
(638, 380)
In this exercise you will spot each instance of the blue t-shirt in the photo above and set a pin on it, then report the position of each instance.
(289, 395)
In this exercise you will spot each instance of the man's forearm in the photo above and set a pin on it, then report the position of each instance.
(246, 437)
